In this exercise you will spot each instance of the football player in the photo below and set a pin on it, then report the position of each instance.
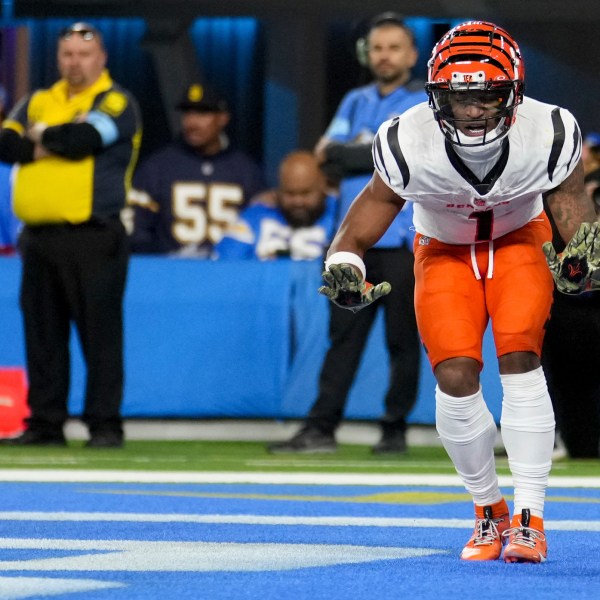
(476, 161)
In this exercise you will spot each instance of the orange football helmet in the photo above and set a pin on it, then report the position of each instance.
(481, 62)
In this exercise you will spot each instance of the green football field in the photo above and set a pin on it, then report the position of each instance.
(251, 457)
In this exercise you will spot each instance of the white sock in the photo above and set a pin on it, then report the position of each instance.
(468, 432)
(528, 433)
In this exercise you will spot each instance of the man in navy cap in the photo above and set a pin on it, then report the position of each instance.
(187, 192)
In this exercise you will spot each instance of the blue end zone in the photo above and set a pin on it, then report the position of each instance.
(129, 541)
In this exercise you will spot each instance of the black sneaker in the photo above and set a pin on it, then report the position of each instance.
(391, 442)
(105, 439)
(309, 440)
(36, 438)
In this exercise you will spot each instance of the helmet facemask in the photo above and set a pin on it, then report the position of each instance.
(498, 102)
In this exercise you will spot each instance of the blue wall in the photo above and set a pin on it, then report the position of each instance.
(231, 55)
(228, 339)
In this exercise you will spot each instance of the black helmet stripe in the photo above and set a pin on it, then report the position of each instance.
(467, 44)
(474, 58)
(491, 37)
(497, 34)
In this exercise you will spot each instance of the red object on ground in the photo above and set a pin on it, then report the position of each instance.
(13, 401)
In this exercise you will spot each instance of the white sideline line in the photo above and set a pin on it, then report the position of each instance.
(272, 520)
(305, 478)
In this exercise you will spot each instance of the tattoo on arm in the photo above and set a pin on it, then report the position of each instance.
(570, 205)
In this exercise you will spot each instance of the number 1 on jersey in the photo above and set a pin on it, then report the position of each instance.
(485, 224)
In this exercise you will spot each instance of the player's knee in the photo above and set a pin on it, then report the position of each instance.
(518, 362)
(458, 376)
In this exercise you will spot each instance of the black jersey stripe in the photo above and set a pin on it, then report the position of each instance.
(558, 143)
(392, 139)
(378, 158)
(576, 145)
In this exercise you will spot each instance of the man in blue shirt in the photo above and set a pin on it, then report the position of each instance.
(345, 152)
(299, 225)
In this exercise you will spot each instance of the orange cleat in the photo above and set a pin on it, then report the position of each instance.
(487, 539)
(526, 539)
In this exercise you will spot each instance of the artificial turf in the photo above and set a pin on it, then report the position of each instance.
(249, 456)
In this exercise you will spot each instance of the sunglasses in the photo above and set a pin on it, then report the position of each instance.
(87, 33)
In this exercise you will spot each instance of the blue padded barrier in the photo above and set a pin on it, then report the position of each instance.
(229, 340)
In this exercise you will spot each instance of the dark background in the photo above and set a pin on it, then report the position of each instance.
(284, 66)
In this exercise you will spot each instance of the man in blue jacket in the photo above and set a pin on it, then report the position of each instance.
(345, 150)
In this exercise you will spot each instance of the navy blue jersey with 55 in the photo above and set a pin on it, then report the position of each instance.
(182, 200)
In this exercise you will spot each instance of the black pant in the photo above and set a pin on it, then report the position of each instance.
(571, 361)
(348, 334)
(74, 273)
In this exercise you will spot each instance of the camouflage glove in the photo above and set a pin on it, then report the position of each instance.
(345, 287)
(575, 269)
(594, 259)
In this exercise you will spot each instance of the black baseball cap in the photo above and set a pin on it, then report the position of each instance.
(202, 98)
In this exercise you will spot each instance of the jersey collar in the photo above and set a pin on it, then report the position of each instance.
(482, 187)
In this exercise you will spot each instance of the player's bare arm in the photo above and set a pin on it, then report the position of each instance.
(576, 268)
(370, 215)
(570, 205)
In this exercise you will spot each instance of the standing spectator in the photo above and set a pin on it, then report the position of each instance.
(186, 193)
(299, 226)
(345, 150)
(476, 171)
(76, 143)
(573, 380)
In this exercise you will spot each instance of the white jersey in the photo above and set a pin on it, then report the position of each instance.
(451, 204)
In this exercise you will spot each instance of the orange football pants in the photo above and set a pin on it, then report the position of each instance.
(515, 291)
